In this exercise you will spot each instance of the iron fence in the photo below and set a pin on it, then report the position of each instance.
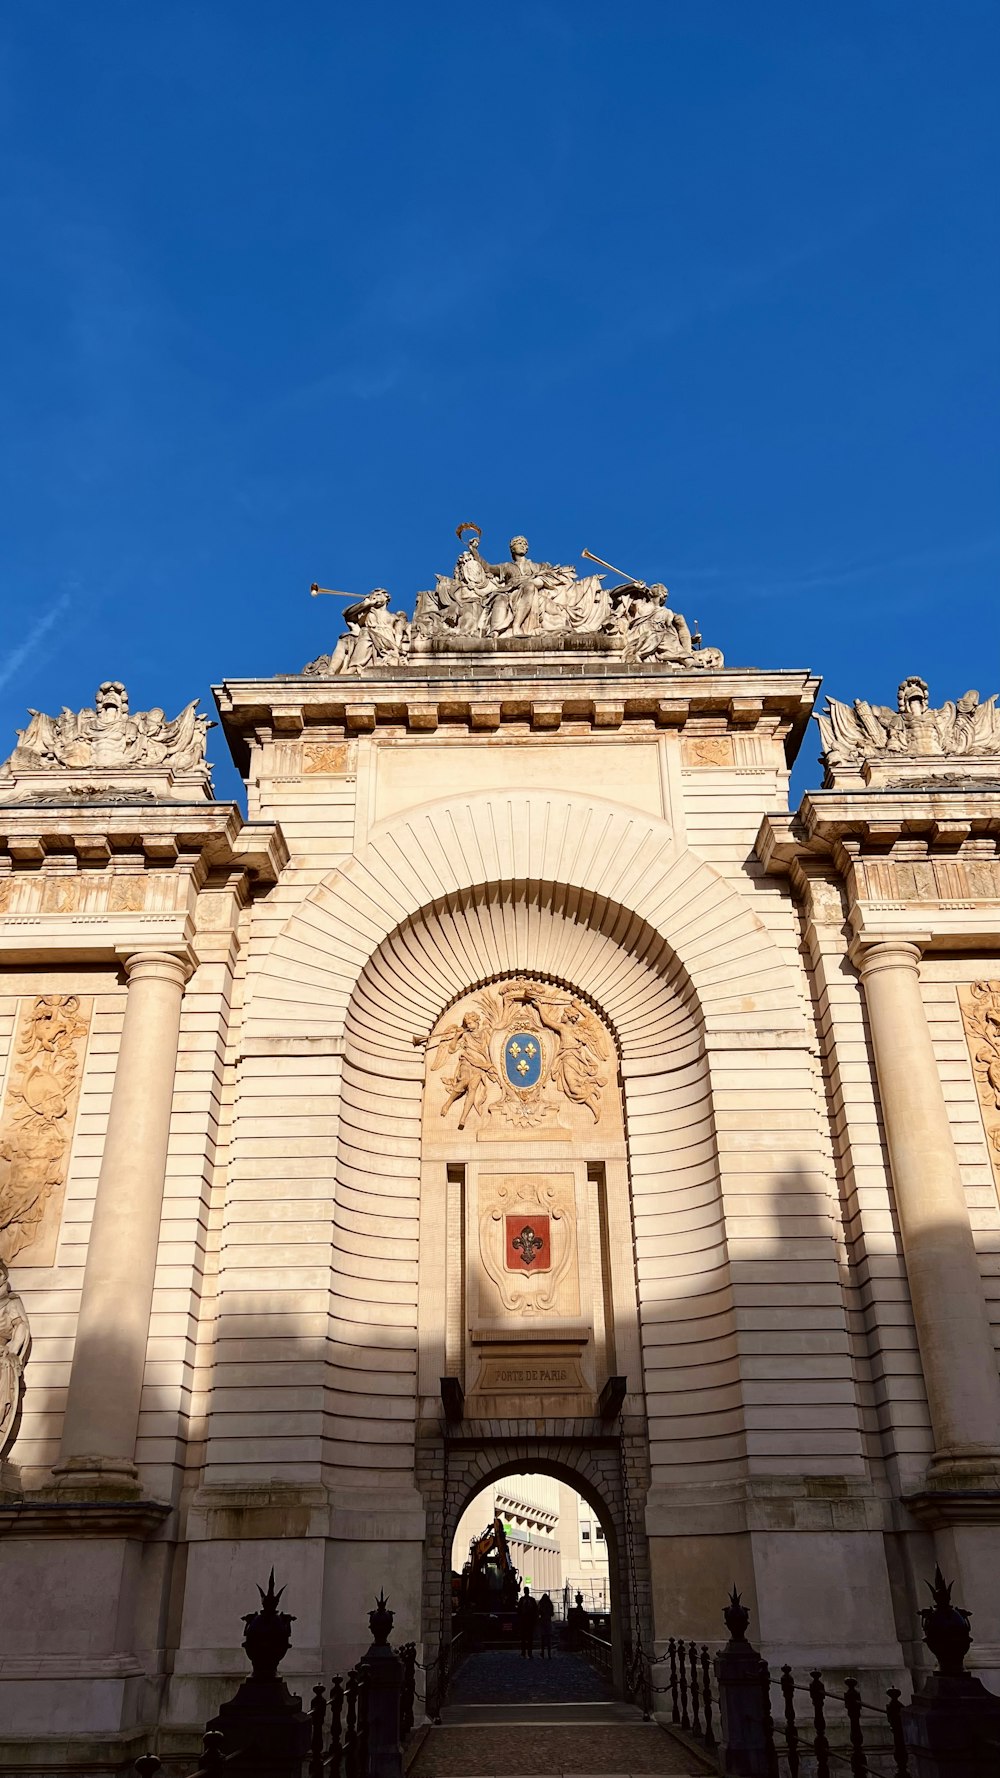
(597, 1651)
(727, 1704)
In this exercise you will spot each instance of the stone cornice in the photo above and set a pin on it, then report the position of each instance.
(910, 860)
(100, 882)
(941, 1507)
(879, 817)
(214, 836)
(447, 693)
(828, 821)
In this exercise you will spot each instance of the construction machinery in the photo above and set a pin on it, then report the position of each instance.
(489, 1582)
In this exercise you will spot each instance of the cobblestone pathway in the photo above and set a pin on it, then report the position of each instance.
(500, 1676)
(611, 1751)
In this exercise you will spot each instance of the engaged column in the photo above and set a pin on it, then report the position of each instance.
(105, 1387)
(946, 1291)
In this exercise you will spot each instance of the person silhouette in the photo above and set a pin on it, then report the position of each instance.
(527, 1623)
(546, 1611)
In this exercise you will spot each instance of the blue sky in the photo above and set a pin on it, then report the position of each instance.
(289, 291)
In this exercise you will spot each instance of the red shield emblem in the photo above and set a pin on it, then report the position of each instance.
(527, 1246)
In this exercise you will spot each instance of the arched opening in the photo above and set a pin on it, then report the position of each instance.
(608, 1470)
(545, 1533)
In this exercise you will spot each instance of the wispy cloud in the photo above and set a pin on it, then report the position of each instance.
(761, 585)
(13, 661)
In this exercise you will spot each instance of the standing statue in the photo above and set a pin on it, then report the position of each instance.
(15, 1345)
(462, 602)
(467, 597)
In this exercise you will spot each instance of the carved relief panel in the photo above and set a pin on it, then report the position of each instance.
(36, 1127)
(528, 1244)
(520, 1058)
(980, 1004)
(522, 1122)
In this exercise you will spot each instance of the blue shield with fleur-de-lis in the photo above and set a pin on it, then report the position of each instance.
(522, 1059)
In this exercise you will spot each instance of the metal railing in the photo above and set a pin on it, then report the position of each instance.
(597, 1651)
(345, 1753)
(695, 1708)
(813, 1739)
(214, 1759)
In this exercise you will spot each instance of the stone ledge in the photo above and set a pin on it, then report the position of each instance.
(73, 1518)
(585, 1433)
(270, 1045)
(811, 1503)
(309, 1510)
(69, 1666)
(939, 1507)
(62, 1753)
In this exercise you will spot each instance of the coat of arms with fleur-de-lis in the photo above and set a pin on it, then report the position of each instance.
(520, 1051)
(528, 1244)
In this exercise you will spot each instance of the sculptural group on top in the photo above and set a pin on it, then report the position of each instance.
(483, 605)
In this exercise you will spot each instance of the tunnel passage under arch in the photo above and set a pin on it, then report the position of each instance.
(609, 1470)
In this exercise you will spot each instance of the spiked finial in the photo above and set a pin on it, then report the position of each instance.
(947, 1631)
(270, 1599)
(939, 1588)
(737, 1617)
(381, 1620)
(267, 1633)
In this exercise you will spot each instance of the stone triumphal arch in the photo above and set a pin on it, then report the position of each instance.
(517, 1086)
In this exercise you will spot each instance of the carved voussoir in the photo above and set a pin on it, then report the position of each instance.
(15, 1347)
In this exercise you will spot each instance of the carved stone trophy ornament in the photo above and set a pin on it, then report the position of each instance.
(913, 742)
(108, 754)
(497, 607)
(15, 1346)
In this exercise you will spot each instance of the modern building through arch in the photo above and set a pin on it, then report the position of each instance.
(519, 1088)
(557, 1539)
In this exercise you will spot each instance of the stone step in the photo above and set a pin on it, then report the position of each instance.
(510, 1747)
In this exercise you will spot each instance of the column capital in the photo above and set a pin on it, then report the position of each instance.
(176, 967)
(869, 955)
